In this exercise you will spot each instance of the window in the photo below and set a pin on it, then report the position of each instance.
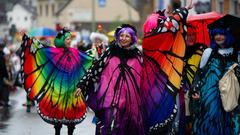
(53, 9)
(235, 7)
(46, 9)
(239, 9)
(40, 10)
(10, 19)
(221, 7)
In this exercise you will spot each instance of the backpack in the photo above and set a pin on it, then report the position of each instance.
(229, 89)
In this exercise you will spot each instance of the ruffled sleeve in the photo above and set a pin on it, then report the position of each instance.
(93, 74)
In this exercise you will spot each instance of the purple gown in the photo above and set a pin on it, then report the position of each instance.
(111, 88)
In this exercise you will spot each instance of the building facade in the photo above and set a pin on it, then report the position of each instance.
(80, 13)
(226, 6)
(22, 16)
(46, 11)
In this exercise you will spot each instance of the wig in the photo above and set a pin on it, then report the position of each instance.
(129, 29)
(229, 39)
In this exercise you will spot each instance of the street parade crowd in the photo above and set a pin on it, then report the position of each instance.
(170, 83)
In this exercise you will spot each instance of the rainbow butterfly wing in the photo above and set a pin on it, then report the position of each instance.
(50, 77)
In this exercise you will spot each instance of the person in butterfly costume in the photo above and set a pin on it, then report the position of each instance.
(192, 59)
(116, 100)
(163, 50)
(210, 116)
(50, 76)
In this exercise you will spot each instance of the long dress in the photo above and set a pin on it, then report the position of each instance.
(116, 99)
(50, 77)
(210, 118)
(164, 50)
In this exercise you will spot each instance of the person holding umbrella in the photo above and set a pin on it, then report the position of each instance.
(211, 118)
(200, 22)
(194, 51)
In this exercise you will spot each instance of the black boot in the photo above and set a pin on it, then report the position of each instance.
(57, 129)
(71, 129)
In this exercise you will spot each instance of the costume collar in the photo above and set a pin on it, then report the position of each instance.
(225, 51)
(130, 48)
